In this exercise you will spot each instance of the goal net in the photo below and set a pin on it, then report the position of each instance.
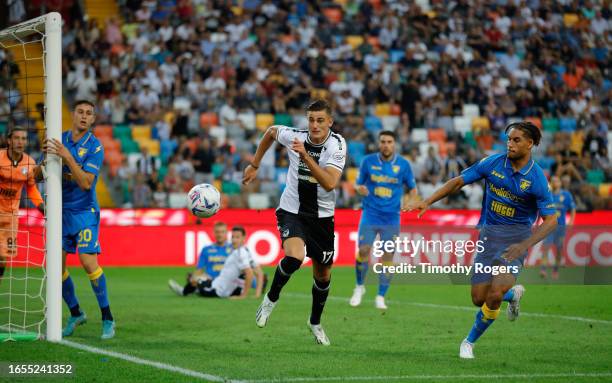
(30, 247)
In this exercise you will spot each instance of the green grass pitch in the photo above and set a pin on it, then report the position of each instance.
(417, 339)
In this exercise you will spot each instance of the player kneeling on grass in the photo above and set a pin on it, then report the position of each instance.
(235, 278)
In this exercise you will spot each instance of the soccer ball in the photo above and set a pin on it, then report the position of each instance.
(204, 200)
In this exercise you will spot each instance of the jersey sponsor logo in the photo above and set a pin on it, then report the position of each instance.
(496, 174)
(502, 209)
(502, 192)
(82, 152)
(525, 184)
(374, 167)
(383, 179)
(98, 149)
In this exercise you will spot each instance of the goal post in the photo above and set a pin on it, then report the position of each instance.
(44, 34)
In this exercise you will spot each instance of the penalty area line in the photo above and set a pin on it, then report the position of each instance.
(150, 363)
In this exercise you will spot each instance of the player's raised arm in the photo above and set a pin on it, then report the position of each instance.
(250, 172)
(248, 280)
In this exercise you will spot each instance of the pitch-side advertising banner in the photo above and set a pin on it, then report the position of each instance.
(158, 237)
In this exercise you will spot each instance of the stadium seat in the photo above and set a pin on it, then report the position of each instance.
(356, 151)
(177, 200)
(122, 131)
(381, 110)
(396, 110)
(395, 55)
(569, 19)
(264, 120)
(110, 144)
(300, 122)
(192, 144)
(390, 122)
(283, 119)
(230, 188)
(208, 119)
(373, 41)
(605, 190)
(333, 14)
(354, 41)
(462, 124)
(595, 176)
(471, 110)
(167, 148)
(373, 124)
(424, 148)
(103, 131)
(218, 133)
(567, 124)
(319, 93)
(352, 174)
(419, 135)
(247, 120)
(258, 201)
(129, 146)
(479, 123)
(153, 146)
(141, 132)
(446, 123)
(349, 188)
(3, 127)
(469, 139)
(550, 124)
(536, 121)
(437, 135)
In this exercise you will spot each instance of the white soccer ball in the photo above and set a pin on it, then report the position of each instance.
(204, 200)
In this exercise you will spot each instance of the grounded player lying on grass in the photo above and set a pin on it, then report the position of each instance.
(515, 191)
(235, 279)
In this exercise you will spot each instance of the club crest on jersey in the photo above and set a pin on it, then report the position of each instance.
(82, 152)
(525, 184)
(24, 170)
(396, 169)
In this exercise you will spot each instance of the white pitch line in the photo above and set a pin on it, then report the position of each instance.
(411, 378)
(151, 363)
(465, 308)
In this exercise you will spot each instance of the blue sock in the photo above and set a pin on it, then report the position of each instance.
(484, 318)
(98, 284)
(508, 296)
(69, 295)
(361, 269)
(384, 281)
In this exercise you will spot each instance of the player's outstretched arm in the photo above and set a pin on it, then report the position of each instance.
(448, 188)
(327, 177)
(549, 223)
(250, 172)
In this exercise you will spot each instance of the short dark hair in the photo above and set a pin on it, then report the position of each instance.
(81, 102)
(219, 223)
(528, 128)
(319, 105)
(240, 229)
(16, 128)
(388, 133)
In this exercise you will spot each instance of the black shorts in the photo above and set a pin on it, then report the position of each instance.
(317, 233)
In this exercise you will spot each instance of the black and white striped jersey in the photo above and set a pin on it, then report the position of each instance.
(303, 194)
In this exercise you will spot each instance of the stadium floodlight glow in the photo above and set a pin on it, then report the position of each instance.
(29, 39)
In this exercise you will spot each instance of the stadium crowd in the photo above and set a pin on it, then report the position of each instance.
(202, 74)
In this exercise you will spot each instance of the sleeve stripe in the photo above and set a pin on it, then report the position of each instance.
(334, 165)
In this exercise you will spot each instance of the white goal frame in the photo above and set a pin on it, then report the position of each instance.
(50, 26)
